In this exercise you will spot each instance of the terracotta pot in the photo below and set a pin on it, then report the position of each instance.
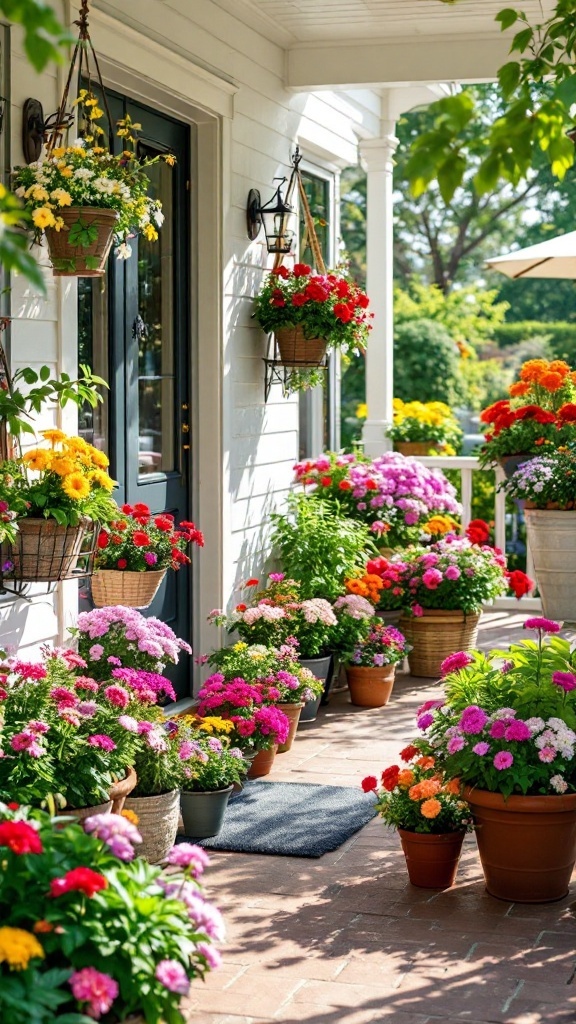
(527, 844)
(552, 542)
(157, 823)
(121, 789)
(46, 552)
(436, 634)
(81, 260)
(203, 813)
(296, 349)
(131, 589)
(432, 860)
(262, 763)
(417, 447)
(292, 712)
(370, 687)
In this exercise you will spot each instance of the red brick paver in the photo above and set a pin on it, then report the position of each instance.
(346, 939)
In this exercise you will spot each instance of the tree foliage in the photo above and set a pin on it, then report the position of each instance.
(44, 36)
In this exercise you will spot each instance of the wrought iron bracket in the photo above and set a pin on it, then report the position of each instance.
(278, 372)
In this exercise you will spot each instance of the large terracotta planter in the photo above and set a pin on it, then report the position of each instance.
(81, 260)
(296, 349)
(203, 813)
(292, 712)
(370, 687)
(436, 634)
(552, 542)
(46, 552)
(262, 763)
(131, 589)
(157, 823)
(121, 789)
(432, 861)
(527, 844)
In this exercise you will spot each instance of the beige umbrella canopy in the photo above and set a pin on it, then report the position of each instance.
(553, 258)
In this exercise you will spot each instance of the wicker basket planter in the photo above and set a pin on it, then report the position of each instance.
(131, 589)
(79, 813)
(435, 635)
(157, 823)
(298, 350)
(81, 260)
(46, 552)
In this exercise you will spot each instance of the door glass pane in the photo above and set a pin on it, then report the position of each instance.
(93, 350)
(154, 330)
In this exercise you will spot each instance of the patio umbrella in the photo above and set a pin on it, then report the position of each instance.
(554, 258)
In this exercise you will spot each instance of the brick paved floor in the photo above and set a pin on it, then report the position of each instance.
(345, 939)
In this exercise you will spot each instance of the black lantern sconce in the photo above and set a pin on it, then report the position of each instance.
(279, 217)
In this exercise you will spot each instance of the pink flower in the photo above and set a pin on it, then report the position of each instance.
(211, 955)
(117, 695)
(172, 975)
(425, 721)
(128, 723)
(481, 748)
(503, 760)
(417, 610)
(546, 625)
(86, 683)
(566, 680)
(277, 577)
(517, 730)
(64, 697)
(455, 744)
(102, 742)
(473, 719)
(454, 662)
(98, 990)
(28, 670)
(452, 572)
(187, 855)
(498, 730)
(150, 557)
(547, 754)
(96, 652)
(432, 579)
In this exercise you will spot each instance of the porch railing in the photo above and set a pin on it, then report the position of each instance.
(466, 466)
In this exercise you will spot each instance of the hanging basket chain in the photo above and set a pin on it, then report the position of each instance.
(81, 56)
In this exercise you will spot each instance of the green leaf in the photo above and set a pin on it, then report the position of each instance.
(450, 176)
(566, 91)
(92, 262)
(44, 373)
(83, 234)
(507, 17)
(509, 77)
(522, 40)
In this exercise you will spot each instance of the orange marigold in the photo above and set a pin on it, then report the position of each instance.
(406, 778)
(425, 762)
(519, 388)
(453, 786)
(559, 366)
(533, 369)
(551, 381)
(429, 787)
(415, 792)
(356, 586)
(431, 808)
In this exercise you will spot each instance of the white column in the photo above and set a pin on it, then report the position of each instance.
(378, 158)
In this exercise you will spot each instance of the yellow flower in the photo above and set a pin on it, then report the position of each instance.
(38, 193)
(98, 458)
(130, 816)
(58, 223)
(61, 196)
(66, 171)
(170, 159)
(78, 444)
(96, 113)
(53, 435)
(43, 218)
(18, 947)
(58, 153)
(101, 479)
(212, 723)
(76, 486)
(440, 525)
(150, 232)
(63, 466)
(37, 459)
(362, 411)
(240, 646)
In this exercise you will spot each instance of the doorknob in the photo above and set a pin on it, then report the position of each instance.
(139, 329)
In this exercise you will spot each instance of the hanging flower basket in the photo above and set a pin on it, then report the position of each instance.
(45, 552)
(81, 248)
(121, 587)
(296, 349)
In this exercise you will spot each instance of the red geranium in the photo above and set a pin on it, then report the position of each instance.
(141, 509)
(140, 539)
(121, 563)
(83, 880)
(567, 412)
(316, 291)
(20, 837)
(299, 299)
(520, 583)
(343, 312)
(370, 784)
(281, 271)
(409, 752)
(390, 777)
(103, 539)
(301, 270)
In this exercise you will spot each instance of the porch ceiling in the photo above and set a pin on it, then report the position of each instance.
(371, 42)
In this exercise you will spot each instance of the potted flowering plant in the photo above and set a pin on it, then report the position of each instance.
(540, 413)
(82, 197)
(506, 729)
(372, 664)
(445, 586)
(134, 553)
(140, 937)
(70, 489)
(259, 727)
(424, 428)
(424, 805)
(547, 486)
(118, 637)
(382, 584)
(310, 313)
(393, 494)
(67, 741)
(213, 769)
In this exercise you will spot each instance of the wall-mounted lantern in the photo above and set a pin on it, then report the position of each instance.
(279, 218)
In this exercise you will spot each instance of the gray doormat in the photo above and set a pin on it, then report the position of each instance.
(292, 819)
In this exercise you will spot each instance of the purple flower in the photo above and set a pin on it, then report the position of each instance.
(172, 975)
(277, 577)
(503, 760)
(425, 721)
(517, 730)
(378, 660)
(473, 719)
(547, 625)
(188, 855)
(150, 557)
(481, 748)
(454, 662)
(566, 680)
(498, 730)
(455, 744)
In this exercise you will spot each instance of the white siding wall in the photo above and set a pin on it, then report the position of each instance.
(259, 441)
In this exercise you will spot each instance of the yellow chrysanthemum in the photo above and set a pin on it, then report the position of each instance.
(212, 723)
(99, 459)
(61, 196)
(170, 159)
(150, 232)
(240, 646)
(65, 170)
(53, 435)
(43, 218)
(18, 947)
(76, 486)
(77, 444)
(101, 479)
(38, 459)
(58, 153)
(62, 465)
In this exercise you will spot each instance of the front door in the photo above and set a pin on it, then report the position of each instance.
(134, 329)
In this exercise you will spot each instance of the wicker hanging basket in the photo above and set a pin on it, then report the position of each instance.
(45, 552)
(131, 589)
(81, 260)
(296, 349)
(435, 635)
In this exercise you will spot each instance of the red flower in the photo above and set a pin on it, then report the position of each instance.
(342, 289)
(299, 299)
(519, 582)
(141, 509)
(127, 510)
(20, 837)
(12, 806)
(121, 563)
(543, 416)
(103, 539)
(281, 272)
(316, 291)
(326, 481)
(278, 302)
(478, 532)
(164, 523)
(390, 777)
(142, 520)
(140, 539)
(345, 485)
(253, 582)
(362, 300)
(369, 784)
(371, 485)
(81, 879)
(301, 270)
(490, 414)
(343, 312)
(241, 607)
(121, 525)
(409, 752)
(567, 412)
(116, 539)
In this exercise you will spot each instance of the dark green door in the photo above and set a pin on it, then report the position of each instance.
(134, 329)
